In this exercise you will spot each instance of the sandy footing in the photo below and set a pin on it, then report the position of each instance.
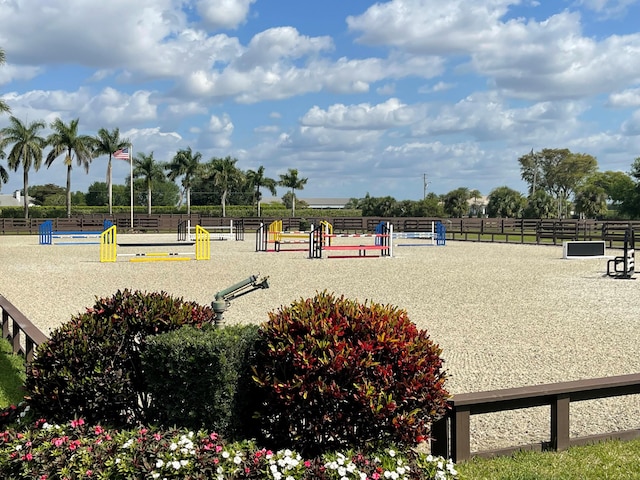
(504, 315)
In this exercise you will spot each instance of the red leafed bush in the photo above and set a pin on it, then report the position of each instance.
(91, 366)
(334, 373)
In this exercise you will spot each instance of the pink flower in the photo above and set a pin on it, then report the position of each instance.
(89, 473)
(77, 423)
(59, 441)
(307, 463)
(28, 457)
(98, 430)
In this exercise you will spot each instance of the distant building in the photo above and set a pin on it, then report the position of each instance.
(14, 200)
(478, 206)
(313, 202)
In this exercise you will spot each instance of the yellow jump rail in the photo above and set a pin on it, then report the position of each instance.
(108, 246)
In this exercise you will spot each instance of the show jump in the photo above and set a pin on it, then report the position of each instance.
(109, 244)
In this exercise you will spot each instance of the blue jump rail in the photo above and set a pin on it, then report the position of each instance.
(46, 233)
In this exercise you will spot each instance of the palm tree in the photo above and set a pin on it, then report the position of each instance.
(65, 140)
(4, 108)
(291, 180)
(256, 180)
(145, 166)
(186, 164)
(107, 143)
(26, 151)
(225, 174)
(4, 175)
(475, 194)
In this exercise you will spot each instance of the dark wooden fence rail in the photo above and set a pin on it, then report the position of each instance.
(23, 335)
(513, 230)
(451, 435)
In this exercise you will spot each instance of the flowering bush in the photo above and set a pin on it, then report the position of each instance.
(78, 450)
(333, 373)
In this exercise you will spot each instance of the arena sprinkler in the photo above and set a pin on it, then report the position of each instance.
(223, 298)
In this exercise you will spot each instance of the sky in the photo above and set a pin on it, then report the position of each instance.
(397, 98)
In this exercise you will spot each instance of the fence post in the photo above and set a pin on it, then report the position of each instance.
(560, 422)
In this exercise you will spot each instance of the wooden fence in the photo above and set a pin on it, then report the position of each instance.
(535, 231)
(451, 435)
(23, 335)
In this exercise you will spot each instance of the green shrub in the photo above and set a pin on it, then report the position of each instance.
(198, 378)
(334, 373)
(91, 368)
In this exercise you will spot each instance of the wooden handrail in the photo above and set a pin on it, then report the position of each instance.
(451, 434)
(15, 326)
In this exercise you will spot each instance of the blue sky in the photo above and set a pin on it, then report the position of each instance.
(360, 97)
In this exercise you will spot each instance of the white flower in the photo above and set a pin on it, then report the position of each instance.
(184, 462)
(225, 454)
(18, 447)
(175, 464)
(392, 453)
(173, 446)
(159, 463)
(155, 475)
(237, 460)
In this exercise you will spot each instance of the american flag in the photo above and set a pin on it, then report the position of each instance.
(122, 154)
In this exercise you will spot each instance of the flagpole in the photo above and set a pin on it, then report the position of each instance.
(131, 181)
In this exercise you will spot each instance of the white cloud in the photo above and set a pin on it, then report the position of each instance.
(626, 98)
(385, 115)
(224, 13)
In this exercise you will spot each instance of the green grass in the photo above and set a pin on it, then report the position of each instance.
(613, 460)
(12, 373)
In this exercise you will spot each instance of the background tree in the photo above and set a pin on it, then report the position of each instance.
(558, 171)
(4, 174)
(475, 195)
(185, 164)
(505, 202)
(145, 167)
(540, 205)
(225, 176)
(591, 201)
(257, 179)
(107, 143)
(456, 202)
(26, 150)
(48, 194)
(4, 108)
(291, 181)
(66, 140)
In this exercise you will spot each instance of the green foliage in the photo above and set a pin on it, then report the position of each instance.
(78, 449)
(12, 372)
(202, 377)
(506, 202)
(333, 373)
(91, 365)
(456, 202)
